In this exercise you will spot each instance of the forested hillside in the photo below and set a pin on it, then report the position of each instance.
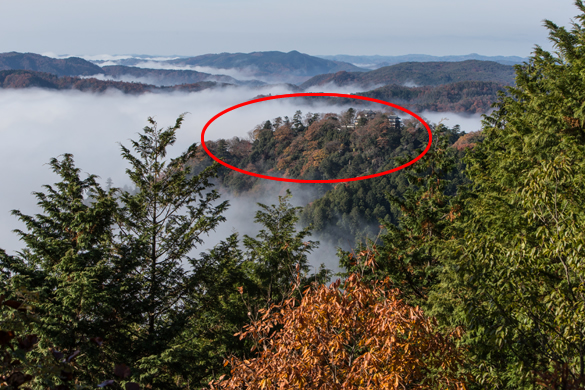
(420, 74)
(328, 146)
(17, 79)
(464, 96)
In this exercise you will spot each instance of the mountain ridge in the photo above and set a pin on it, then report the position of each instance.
(72, 66)
(168, 77)
(419, 74)
(378, 61)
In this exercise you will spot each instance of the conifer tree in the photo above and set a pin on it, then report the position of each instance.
(110, 268)
(519, 268)
(163, 222)
(279, 252)
(80, 276)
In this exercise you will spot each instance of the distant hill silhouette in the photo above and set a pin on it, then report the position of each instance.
(270, 63)
(72, 66)
(465, 96)
(420, 74)
(377, 61)
(170, 77)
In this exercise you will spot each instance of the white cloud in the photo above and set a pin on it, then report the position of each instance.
(468, 122)
(38, 124)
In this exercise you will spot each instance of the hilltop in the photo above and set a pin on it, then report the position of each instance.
(329, 146)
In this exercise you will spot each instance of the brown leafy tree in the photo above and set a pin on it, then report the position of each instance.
(349, 335)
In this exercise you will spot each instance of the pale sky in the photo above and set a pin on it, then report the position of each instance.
(322, 27)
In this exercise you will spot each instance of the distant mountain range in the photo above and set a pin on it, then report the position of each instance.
(466, 86)
(375, 62)
(272, 66)
(419, 74)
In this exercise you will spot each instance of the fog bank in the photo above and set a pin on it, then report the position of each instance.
(37, 125)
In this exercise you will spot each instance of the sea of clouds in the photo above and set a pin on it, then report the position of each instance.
(37, 125)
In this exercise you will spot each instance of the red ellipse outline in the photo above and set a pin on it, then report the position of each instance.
(307, 95)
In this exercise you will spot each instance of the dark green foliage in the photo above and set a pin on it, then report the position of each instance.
(113, 267)
(162, 223)
(279, 252)
(78, 272)
(516, 261)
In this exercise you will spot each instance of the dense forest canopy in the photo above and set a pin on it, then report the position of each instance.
(331, 146)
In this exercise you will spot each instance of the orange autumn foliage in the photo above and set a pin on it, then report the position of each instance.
(355, 335)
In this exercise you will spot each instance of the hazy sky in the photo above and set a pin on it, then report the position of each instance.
(192, 27)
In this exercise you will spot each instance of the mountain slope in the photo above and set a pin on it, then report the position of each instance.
(472, 97)
(72, 66)
(420, 74)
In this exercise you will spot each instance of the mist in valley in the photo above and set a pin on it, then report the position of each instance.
(38, 125)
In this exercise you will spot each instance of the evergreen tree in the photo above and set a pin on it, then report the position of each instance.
(279, 252)
(82, 279)
(110, 268)
(518, 265)
(163, 222)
